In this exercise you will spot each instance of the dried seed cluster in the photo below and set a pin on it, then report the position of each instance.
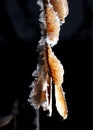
(49, 68)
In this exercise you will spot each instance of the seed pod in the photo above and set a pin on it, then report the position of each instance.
(57, 72)
(52, 25)
(61, 102)
(61, 7)
(56, 68)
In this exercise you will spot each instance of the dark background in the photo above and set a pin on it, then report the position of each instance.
(19, 36)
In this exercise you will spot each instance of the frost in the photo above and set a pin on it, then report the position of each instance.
(40, 3)
(51, 42)
(45, 84)
(41, 42)
(35, 73)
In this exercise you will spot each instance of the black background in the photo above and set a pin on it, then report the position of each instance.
(19, 36)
